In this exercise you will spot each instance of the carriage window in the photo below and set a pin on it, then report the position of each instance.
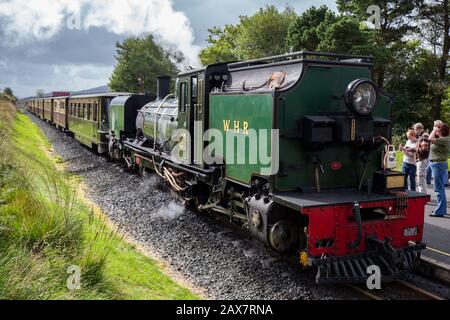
(89, 113)
(104, 107)
(183, 96)
(95, 112)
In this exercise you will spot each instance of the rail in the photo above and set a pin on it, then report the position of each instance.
(398, 290)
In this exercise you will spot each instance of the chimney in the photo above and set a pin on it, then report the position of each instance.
(163, 86)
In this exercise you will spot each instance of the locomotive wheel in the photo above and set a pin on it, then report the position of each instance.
(283, 236)
(116, 154)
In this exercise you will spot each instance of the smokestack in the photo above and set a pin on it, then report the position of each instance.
(163, 86)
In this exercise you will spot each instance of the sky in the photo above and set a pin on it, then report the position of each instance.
(60, 45)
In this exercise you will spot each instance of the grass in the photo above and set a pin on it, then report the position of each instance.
(46, 227)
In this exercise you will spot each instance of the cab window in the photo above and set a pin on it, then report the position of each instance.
(194, 88)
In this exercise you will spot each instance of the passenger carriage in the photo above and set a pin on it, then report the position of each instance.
(88, 119)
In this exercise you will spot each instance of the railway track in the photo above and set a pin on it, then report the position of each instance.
(396, 290)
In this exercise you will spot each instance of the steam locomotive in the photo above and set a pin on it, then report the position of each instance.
(292, 148)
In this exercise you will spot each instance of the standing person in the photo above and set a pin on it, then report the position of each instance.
(437, 123)
(422, 155)
(419, 129)
(439, 152)
(409, 159)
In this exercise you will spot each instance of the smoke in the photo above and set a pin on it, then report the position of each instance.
(170, 211)
(25, 21)
(151, 182)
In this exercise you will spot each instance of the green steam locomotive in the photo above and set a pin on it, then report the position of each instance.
(293, 148)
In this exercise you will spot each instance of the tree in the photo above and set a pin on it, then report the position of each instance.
(263, 34)
(139, 62)
(222, 45)
(343, 36)
(411, 71)
(446, 107)
(434, 19)
(320, 29)
(40, 93)
(305, 31)
(396, 22)
(8, 91)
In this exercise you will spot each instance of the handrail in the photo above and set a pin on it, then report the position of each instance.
(297, 55)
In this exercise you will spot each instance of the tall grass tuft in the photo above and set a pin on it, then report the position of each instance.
(44, 227)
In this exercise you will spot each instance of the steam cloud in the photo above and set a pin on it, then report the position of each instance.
(31, 20)
(170, 211)
(151, 182)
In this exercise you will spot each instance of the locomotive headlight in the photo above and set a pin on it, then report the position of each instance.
(361, 96)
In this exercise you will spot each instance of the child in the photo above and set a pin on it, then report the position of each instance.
(409, 159)
(423, 152)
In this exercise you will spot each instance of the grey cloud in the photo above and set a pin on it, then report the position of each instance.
(70, 46)
(79, 59)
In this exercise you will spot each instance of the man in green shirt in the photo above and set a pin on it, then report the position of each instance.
(439, 152)
(440, 149)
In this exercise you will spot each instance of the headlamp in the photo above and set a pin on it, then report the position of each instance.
(361, 96)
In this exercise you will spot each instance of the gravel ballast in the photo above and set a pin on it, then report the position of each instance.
(219, 261)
